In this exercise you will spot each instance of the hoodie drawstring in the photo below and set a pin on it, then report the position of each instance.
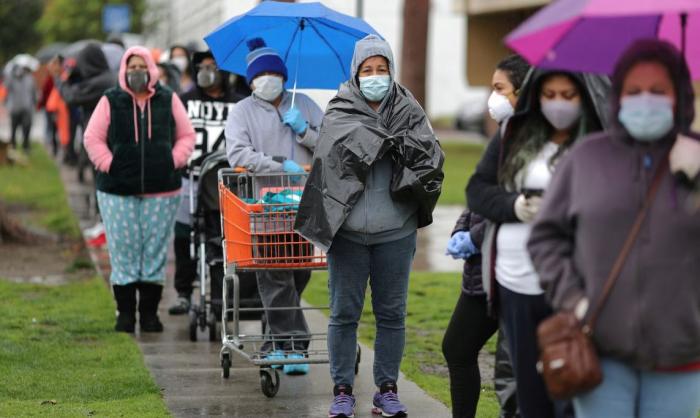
(136, 124)
(148, 104)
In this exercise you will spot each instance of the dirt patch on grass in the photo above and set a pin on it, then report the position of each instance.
(46, 263)
(54, 260)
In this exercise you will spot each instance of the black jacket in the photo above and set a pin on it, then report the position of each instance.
(471, 273)
(353, 136)
(89, 80)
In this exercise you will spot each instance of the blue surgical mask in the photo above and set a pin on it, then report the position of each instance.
(375, 87)
(647, 117)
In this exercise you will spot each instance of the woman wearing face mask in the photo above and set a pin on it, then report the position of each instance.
(554, 110)
(180, 58)
(648, 332)
(471, 325)
(376, 176)
(137, 138)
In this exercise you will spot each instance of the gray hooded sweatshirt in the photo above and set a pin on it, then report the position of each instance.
(255, 133)
(376, 218)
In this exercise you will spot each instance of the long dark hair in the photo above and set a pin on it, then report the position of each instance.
(526, 139)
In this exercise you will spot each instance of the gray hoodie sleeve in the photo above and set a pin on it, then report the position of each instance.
(552, 241)
(313, 115)
(240, 151)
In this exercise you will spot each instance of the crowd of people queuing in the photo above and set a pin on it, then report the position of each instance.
(549, 206)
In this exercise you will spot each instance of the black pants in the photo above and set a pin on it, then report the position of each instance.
(469, 329)
(23, 120)
(185, 266)
(521, 314)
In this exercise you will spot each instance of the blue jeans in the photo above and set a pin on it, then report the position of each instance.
(631, 393)
(387, 266)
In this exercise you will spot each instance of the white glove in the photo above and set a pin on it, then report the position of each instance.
(527, 208)
(685, 157)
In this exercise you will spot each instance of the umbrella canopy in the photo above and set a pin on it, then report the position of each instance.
(315, 42)
(72, 50)
(21, 60)
(49, 51)
(590, 35)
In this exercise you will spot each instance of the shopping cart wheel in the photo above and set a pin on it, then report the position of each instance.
(357, 359)
(268, 386)
(225, 365)
(193, 324)
(211, 323)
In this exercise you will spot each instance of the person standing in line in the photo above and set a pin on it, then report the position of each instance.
(181, 58)
(648, 331)
(472, 324)
(554, 111)
(376, 177)
(208, 106)
(265, 133)
(20, 102)
(138, 138)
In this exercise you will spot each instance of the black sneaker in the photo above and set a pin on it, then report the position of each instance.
(181, 306)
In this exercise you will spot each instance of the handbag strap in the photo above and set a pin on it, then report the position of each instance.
(627, 247)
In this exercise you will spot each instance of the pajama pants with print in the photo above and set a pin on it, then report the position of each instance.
(138, 232)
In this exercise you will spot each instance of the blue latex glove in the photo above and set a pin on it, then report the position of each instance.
(290, 166)
(461, 246)
(295, 121)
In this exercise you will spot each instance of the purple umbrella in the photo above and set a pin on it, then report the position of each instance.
(590, 35)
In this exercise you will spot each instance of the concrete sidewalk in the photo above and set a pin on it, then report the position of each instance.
(190, 376)
(189, 372)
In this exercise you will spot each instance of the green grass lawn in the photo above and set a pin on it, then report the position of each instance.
(431, 299)
(39, 186)
(57, 345)
(460, 160)
(59, 354)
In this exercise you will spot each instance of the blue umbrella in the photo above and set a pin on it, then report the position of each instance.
(317, 41)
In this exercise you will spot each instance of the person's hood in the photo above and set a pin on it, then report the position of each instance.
(150, 63)
(173, 75)
(114, 53)
(153, 80)
(197, 58)
(594, 89)
(91, 61)
(370, 46)
(666, 54)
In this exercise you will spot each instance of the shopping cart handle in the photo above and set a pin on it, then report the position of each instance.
(306, 167)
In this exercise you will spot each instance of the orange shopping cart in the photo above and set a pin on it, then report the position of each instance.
(257, 220)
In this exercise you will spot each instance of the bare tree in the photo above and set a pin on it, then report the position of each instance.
(414, 47)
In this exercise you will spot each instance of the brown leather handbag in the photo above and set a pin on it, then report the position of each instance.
(568, 360)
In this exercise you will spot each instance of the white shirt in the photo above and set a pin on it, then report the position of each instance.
(514, 269)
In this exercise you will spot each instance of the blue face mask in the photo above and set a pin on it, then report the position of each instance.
(375, 87)
(647, 117)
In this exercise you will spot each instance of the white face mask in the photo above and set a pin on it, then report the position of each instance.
(268, 87)
(500, 108)
(180, 63)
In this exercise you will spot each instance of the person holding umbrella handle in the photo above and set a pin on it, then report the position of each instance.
(270, 132)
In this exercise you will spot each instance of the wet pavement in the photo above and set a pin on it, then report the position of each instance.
(189, 372)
